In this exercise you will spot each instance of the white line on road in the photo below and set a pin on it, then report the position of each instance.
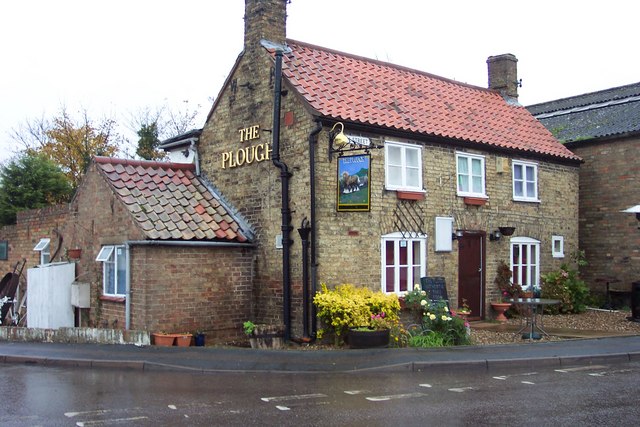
(112, 421)
(527, 382)
(425, 385)
(580, 368)
(292, 397)
(283, 408)
(460, 389)
(394, 396)
(354, 392)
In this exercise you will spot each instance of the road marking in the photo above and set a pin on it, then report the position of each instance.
(580, 368)
(524, 374)
(98, 412)
(292, 397)
(172, 407)
(354, 392)
(527, 382)
(111, 421)
(460, 389)
(394, 396)
(425, 385)
(283, 408)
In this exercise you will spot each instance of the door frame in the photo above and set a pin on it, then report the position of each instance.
(483, 266)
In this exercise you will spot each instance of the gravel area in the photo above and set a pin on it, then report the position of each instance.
(593, 320)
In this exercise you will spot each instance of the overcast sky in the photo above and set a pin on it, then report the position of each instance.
(116, 57)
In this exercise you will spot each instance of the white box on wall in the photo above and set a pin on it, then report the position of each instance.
(444, 230)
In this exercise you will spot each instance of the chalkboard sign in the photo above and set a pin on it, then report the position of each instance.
(435, 287)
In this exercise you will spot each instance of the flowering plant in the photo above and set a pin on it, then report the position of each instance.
(442, 326)
(503, 282)
(416, 298)
(379, 322)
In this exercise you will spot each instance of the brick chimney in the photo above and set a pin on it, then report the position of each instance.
(264, 19)
(503, 75)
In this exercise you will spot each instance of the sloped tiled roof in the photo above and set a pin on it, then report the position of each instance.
(360, 90)
(169, 202)
(605, 113)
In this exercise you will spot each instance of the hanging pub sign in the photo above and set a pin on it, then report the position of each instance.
(354, 190)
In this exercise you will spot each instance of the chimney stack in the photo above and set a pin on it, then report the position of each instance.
(503, 75)
(264, 19)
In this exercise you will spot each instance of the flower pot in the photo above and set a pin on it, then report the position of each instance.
(183, 340)
(163, 339)
(74, 253)
(500, 308)
(267, 337)
(199, 340)
(368, 339)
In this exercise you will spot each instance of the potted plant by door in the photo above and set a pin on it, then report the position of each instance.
(500, 307)
(163, 339)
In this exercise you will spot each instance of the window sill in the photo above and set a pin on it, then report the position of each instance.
(112, 298)
(475, 201)
(516, 199)
(410, 195)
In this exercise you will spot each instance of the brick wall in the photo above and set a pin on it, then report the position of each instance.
(30, 227)
(609, 183)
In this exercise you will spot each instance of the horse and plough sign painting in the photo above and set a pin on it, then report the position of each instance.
(354, 175)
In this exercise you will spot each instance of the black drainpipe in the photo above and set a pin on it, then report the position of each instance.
(286, 211)
(312, 193)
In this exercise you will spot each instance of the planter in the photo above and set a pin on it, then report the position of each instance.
(74, 253)
(267, 337)
(368, 339)
(500, 308)
(183, 340)
(163, 339)
(199, 340)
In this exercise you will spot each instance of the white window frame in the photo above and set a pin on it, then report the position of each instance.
(532, 265)
(44, 247)
(397, 238)
(525, 196)
(111, 256)
(559, 252)
(403, 186)
(469, 159)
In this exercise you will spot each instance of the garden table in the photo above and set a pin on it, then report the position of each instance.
(533, 309)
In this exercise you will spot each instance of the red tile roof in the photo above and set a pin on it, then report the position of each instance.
(168, 201)
(360, 90)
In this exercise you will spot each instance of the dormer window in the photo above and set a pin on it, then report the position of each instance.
(43, 247)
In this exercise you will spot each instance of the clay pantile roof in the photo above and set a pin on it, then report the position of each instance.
(354, 89)
(163, 206)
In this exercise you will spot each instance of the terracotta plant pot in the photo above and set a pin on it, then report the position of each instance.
(163, 339)
(500, 308)
(74, 253)
(183, 340)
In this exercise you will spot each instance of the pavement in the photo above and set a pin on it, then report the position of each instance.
(565, 353)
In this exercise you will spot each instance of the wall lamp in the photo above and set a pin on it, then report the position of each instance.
(457, 235)
(501, 231)
(341, 143)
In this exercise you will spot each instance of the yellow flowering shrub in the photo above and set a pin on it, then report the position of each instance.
(347, 306)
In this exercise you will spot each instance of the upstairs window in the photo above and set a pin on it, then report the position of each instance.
(471, 177)
(114, 270)
(403, 166)
(43, 247)
(525, 181)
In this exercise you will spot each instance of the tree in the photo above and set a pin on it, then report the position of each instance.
(155, 125)
(30, 182)
(149, 142)
(69, 142)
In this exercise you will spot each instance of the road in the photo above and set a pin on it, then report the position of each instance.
(54, 396)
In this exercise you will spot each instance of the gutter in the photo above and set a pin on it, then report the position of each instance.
(129, 243)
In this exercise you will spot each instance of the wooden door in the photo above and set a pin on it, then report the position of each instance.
(471, 277)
